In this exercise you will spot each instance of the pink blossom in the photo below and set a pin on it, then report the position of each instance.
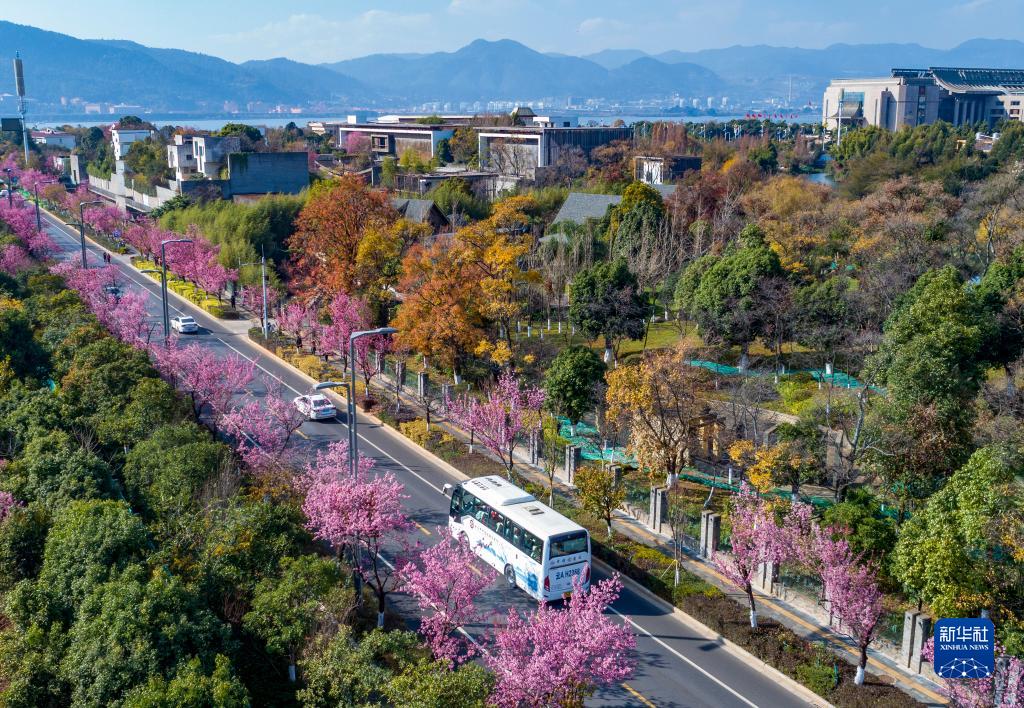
(348, 314)
(501, 419)
(755, 540)
(360, 513)
(13, 259)
(7, 504)
(446, 579)
(263, 428)
(558, 657)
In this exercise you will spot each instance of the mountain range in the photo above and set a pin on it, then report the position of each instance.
(116, 71)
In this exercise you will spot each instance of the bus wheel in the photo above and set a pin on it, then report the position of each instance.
(510, 576)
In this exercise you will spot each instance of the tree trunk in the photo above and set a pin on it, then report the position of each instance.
(608, 356)
(380, 610)
(753, 606)
(291, 671)
(608, 521)
(859, 680)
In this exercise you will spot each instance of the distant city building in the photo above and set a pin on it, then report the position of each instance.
(392, 139)
(912, 97)
(54, 138)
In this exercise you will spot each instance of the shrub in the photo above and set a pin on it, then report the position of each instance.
(691, 586)
(818, 675)
(650, 559)
(417, 431)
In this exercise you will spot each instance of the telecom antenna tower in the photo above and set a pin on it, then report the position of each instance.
(19, 84)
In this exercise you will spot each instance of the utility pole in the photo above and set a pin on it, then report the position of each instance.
(19, 85)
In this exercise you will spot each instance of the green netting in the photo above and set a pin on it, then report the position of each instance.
(838, 378)
(587, 439)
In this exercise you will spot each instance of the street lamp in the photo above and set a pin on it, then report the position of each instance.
(81, 226)
(352, 424)
(263, 279)
(163, 283)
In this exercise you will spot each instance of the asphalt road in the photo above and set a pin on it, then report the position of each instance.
(677, 666)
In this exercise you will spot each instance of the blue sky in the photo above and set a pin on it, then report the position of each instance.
(330, 30)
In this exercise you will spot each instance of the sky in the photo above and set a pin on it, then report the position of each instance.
(317, 31)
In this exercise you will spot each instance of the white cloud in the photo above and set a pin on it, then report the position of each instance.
(316, 39)
(601, 25)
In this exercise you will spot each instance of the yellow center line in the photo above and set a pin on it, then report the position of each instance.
(639, 696)
(422, 528)
(306, 437)
(477, 571)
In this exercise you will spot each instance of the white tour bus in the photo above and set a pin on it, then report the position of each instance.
(535, 547)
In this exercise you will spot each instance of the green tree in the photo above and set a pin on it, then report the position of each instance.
(89, 543)
(453, 196)
(870, 531)
(726, 296)
(165, 473)
(822, 316)
(931, 367)
(600, 493)
(248, 132)
(22, 542)
(956, 554)
(130, 628)
(765, 156)
(339, 671)
(388, 172)
(572, 380)
(151, 403)
(605, 301)
(192, 687)
(287, 608)
(17, 344)
(427, 684)
(55, 470)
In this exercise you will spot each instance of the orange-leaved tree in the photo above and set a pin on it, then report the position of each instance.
(439, 315)
(328, 231)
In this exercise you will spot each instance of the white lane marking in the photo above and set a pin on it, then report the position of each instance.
(688, 661)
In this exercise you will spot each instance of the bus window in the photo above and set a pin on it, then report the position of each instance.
(456, 509)
(568, 544)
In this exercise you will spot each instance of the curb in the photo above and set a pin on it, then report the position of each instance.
(769, 671)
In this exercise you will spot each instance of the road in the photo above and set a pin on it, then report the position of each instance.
(677, 665)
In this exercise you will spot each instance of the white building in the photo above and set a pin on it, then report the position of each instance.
(54, 138)
(122, 139)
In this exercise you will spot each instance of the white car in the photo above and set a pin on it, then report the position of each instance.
(184, 324)
(315, 406)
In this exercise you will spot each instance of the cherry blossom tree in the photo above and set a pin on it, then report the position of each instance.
(981, 693)
(7, 504)
(755, 540)
(348, 314)
(501, 419)
(212, 380)
(446, 579)
(263, 428)
(558, 657)
(852, 590)
(295, 317)
(360, 513)
(14, 258)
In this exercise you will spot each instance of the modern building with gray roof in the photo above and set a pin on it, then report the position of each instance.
(912, 97)
(580, 206)
(421, 211)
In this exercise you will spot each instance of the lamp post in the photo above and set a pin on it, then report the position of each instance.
(81, 226)
(163, 283)
(263, 279)
(353, 444)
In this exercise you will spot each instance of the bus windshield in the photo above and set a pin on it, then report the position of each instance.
(569, 544)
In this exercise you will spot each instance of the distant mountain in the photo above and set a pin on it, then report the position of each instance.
(615, 58)
(116, 71)
(770, 69)
(479, 71)
(509, 70)
(58, 67)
